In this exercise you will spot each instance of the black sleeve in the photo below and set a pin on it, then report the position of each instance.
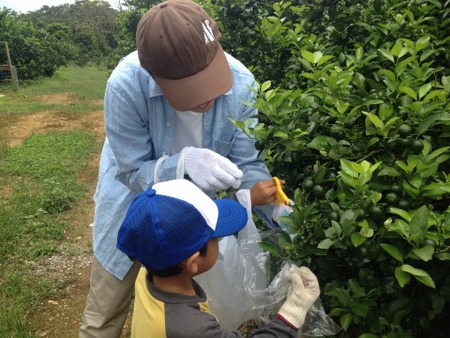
(205, 325)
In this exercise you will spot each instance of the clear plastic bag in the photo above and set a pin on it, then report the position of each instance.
(317, 322)
(239, 287)
(239, 275)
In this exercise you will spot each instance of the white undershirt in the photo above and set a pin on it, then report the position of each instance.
(187, 131)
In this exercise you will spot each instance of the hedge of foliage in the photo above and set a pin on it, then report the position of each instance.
(35, 51)
(42, 41)
(355, 116)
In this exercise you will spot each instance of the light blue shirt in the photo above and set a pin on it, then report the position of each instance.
(137, 151)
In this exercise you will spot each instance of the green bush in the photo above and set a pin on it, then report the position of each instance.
(34, 51)
(357, 121)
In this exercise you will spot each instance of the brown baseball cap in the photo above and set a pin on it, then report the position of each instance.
(178, 43)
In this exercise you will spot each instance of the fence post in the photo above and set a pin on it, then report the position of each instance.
(12, 69)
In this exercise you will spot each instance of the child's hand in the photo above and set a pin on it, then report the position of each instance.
(263, 192)
(303, 293)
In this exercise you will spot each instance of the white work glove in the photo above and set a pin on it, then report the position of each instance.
(209, 170)
(303, 293)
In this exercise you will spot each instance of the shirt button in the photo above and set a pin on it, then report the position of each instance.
(168, 125)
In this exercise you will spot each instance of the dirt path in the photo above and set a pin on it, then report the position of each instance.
(60, 317)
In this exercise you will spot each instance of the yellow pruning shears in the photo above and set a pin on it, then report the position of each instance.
(280, 196)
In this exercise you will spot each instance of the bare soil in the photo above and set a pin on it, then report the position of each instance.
(60, 316)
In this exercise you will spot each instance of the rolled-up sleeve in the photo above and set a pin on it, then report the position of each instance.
(242, 150)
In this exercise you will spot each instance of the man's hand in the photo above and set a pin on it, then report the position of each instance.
(209, 170)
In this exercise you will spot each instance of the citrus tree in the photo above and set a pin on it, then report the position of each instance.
(35, 51)
(357, 121)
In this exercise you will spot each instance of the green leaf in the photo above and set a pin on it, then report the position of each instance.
(386, 54)
(359, 53)
(373, 101)
(443, 256)
(346, 320)
(396, 49)
(307, 64)
(367, 232)
(317, 56)
(400, 227)
(308, 56)
(324, 59)
(321, 141)
(436, 189)
(385, 110)
(336, 311)
(393, 251)
(389, 171)
(406, 168)
(285, 237)
(402, 277)
(422, 43)
(271, 248)
(392, 85)
(408, 91)
(357, 239)
(424, 90)
(391, 121)
(389, 74)
(400, 212)
(375, 120)
(426, 54)
(419, 274)
(347, 179)
(266, 85)
(281, 134)
(425, 253)
(438, 152)
(309, 76)
(403, 52)
(346, 165)
(434, 93)
(419, 225)
(325, 244)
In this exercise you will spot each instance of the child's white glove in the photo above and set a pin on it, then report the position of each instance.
(303, 293)
(209, 170)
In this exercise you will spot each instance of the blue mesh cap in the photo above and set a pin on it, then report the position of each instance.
(172, 220)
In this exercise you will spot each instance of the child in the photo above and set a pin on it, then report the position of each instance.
(173, 230)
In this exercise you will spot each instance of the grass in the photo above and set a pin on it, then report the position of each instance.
(83, 85)
(38, 182)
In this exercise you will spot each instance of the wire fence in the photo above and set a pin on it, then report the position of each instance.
(8, 72)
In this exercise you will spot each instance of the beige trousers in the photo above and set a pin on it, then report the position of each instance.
(108, 302)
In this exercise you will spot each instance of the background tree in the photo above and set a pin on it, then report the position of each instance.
(244, 38)
(43, 40)
(35, 51)
(127, 22)
(93, 30)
